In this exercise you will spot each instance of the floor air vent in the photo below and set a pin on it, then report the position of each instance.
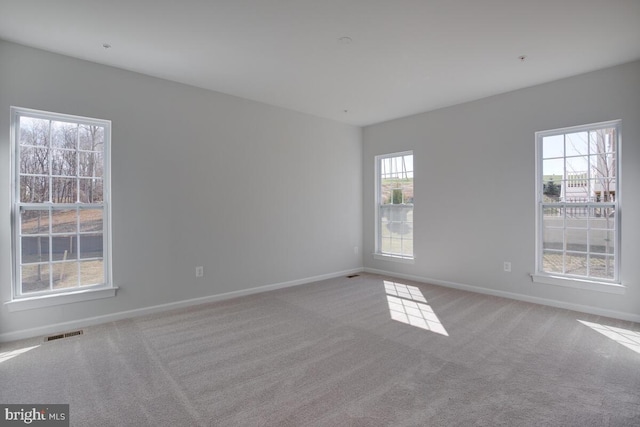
(352, 276)
(65, 335)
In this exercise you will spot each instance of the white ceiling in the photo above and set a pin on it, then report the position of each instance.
(406, 57)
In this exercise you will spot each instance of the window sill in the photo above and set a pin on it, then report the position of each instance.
(394, 258)
(59, 299)
(592, 285)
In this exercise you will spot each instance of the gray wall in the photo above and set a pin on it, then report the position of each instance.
(256, 194)
(474, 186)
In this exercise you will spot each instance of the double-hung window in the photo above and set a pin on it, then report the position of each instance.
(578, 215)
(60, 204)
(394, 206)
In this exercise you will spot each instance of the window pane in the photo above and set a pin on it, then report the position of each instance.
(91, 245)
(602, 165)
(64, 135)
(576, 240)
(35, 249)
(398, 223)
(35, 278)
(385, 227)
(577, 165)
(552, 262)
(552, 170)
(64, 247)
(64, 190)
(407, 247)
(386, 245)
(552, 188)
(385, 232)
(34, 189)
(92, 272)
(34, 131)
(602, 266)
(578, 180)
(63, 221)
(65, 275)
(91, 190)
(603, 140)
(63, 163)
(576, 264)
(91, 138)
(395, 246)
(552, 146)
(577, 144)
(553, 238)
(90, 164)
(34, 221)
(553, 218)
(604, 189)
(34, 160)
(601, 241)
(90, 220)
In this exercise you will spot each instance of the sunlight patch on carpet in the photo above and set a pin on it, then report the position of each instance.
(629, 339)
(13, 353)
(408, 305)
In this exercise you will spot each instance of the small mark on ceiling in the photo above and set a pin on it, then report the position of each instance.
(345, 40)
(106, 45)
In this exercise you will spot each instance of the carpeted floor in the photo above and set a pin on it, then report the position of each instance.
(366, 351)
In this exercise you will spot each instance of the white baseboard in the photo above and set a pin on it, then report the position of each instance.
(510, 295)
(90, 321)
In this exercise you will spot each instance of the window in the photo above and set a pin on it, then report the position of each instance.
(60, 203)
(578, 216)
(394, 205)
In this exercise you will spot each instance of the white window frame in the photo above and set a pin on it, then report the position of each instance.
(24, 301)
(379, 254)
(613, 285)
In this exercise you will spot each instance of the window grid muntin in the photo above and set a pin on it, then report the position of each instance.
(611, 154)
(99, 182)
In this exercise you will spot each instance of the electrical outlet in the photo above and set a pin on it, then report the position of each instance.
(200, 271)
(507, 266)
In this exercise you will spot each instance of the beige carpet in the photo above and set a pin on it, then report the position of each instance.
(366, 351)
